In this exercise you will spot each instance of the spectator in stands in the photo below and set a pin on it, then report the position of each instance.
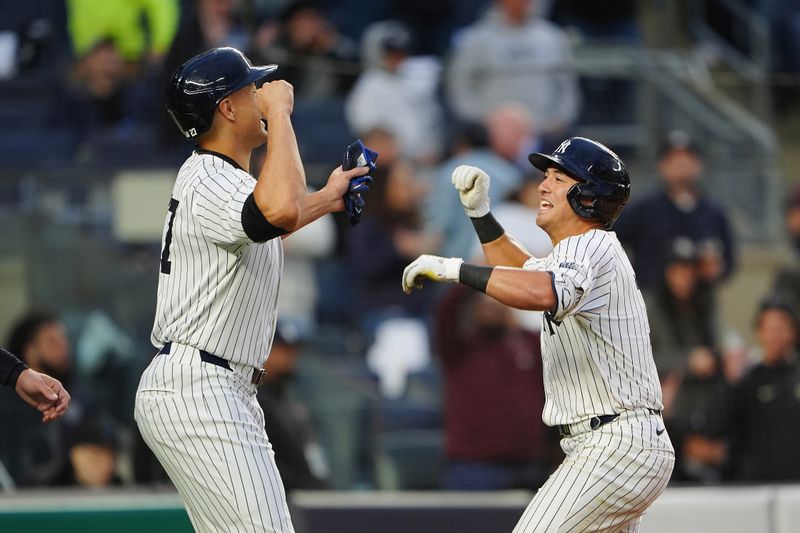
(389, 234)
(698, 420)
(40, 340)
(31, 452)
(91, 445)
(314, 57)
(510, 54)
(94, 94)
(397, 92)
(493, 397)
(298, 455)
(787, 280)
(679, 311)
(512, 134)
(298, 296)
(470, 146)
(649, 227)
(767, 402)
(141, 30)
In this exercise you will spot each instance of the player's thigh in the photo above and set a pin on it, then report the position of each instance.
(215, 450)
(605, 483)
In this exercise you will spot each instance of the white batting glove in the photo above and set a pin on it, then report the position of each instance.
(431, 267)
(472, 184)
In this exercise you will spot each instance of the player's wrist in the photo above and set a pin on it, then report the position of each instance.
(479, 211)
(452, 269)
(475, 276)
(487, 227)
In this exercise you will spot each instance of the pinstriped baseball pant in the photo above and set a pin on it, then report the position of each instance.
(204, 425)
(609, 478)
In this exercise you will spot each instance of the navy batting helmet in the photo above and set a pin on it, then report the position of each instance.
(200, 84)
(605, 185)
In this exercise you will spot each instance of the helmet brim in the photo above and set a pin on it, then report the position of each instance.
(545, 161)
(254, 75)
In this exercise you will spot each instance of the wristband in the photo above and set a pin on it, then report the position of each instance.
(487, 228)
(475, 276)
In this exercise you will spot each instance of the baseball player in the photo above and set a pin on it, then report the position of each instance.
(220, 269)
(39, 390)
(601, 386)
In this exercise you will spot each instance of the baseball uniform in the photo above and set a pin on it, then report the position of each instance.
(602, 391)
(217, 296)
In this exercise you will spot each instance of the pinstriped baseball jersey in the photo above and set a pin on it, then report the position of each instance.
(596, 349)
(217, 290)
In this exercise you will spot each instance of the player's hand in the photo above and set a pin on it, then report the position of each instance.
(431, 267)
(44, 393)
(341, 181)
(275, 97)
(472, 185)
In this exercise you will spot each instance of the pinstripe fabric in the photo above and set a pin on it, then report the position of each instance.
(597, 360)
(596, 350)
(607, 481)
(217, 292)
(206, 428)
(221, 293)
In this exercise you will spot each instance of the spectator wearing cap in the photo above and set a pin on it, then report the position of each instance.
(679, 310)
(679, 208)
(397, 92)
(767, 402)
(299, 457)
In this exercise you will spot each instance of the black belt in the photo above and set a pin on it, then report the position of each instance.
(598, 421)
(258, 373)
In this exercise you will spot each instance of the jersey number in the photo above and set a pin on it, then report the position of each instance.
(166, 264)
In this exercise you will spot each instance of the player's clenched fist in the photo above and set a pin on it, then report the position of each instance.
(275, 97)
(431, 267)
(472, 184)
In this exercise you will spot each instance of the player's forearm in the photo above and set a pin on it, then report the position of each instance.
(316, 205)
(505, 251)
(522, 289)
(282, 183)
(10, 368)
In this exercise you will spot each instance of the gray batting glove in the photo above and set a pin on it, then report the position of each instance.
(472, 185)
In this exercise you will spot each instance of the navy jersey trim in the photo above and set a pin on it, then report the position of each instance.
(224, 157)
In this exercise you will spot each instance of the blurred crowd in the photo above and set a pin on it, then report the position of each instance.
(369, 387)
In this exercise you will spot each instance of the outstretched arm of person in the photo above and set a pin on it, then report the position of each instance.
(522, 289)
(43, 392)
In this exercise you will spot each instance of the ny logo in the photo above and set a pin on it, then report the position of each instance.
(563, 147)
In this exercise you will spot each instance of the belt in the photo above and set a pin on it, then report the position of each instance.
(257, 377)
(566, 430)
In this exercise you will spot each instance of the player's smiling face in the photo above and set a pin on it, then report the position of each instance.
(554, 209)
(248, 117)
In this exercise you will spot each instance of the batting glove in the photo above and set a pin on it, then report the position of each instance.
(353, 199)
(472, 185)
(431, 267)
(357, 155)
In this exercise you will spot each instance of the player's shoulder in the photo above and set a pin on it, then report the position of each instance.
(211, 170)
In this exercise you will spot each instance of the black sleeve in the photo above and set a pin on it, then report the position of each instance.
(10, 368)
(255, 225)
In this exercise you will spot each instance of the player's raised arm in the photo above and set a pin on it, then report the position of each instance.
(499, 248)
(282, 180)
